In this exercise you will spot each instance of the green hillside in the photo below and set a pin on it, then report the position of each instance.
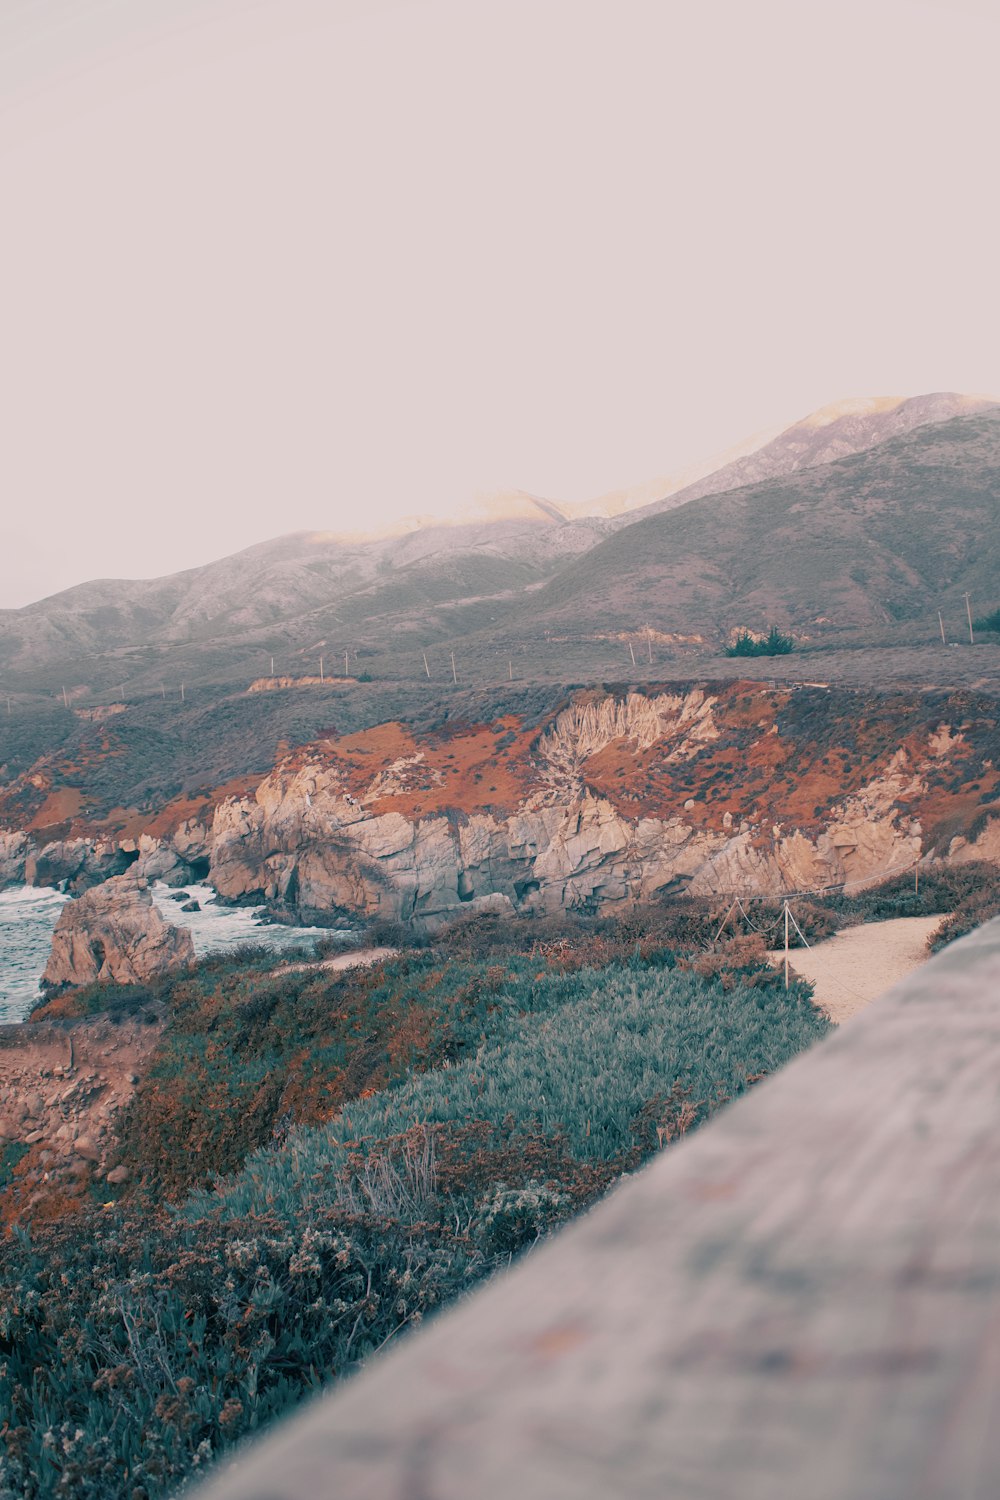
(879, 537)
(138, 1342)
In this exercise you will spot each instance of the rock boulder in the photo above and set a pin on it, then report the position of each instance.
(14, 850)
(75, 864)
(114, 932)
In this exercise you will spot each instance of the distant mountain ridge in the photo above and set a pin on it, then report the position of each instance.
(520, 559)
(887, 534)
(832, 432)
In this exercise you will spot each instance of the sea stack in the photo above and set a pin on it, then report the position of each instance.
(114, 932)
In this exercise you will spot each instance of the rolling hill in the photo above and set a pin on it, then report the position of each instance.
(864, 516)
(882, 536)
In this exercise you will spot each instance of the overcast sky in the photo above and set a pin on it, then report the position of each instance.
(270, 265)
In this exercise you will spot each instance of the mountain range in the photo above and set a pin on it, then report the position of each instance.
(866, 514)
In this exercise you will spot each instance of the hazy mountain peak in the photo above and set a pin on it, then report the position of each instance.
(940, 406)
(854, 406)
(484, 509)
(835, 431)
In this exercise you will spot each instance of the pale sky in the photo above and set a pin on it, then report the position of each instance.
(271, 265)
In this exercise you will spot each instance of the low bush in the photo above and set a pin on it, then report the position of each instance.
(138, 1342)
(773, 644)
(989, 621)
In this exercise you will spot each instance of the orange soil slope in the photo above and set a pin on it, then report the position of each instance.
(780, 755)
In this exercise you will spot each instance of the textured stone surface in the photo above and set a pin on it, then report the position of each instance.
(114, 932)
(14, 849)
(299, 839)
(614, 798)
(74, 864)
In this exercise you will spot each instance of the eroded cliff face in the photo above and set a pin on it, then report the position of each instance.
(617, 797)
(602, 818)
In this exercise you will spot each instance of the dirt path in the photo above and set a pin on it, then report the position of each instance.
(358, 958)
(855, 966)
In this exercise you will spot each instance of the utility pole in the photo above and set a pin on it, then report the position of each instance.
(182, 692)
(968, 611)
(321, 669)
(510, 671)
(163, 690)
(272, 666)
(65, 699)
(346, 673)
(786, 943)
(631, 653)
(454, 674)
(941, 623)
(426, 667)
(649, 643)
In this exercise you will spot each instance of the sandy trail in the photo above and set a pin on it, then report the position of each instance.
(358, 958)
(858, 964)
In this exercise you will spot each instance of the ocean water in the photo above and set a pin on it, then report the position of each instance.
(28, 915)
(220, 929)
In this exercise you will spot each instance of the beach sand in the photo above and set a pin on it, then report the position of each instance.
(858, 964)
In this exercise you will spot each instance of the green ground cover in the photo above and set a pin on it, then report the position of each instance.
(493, 1100)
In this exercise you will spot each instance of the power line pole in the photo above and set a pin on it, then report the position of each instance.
(786, 943)
(426, 667)
(346, 673)
(968, 611)
(631, 653)
(272, 666)
(182, 692)
(510, 670)
(321, 678)
(941, 623)
(454, 674)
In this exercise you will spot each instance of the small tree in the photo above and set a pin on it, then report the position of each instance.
(773, 644)
(988, 622)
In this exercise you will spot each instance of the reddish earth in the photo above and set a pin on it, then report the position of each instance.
(62, 1085)
(783, 755)
(471, 768)
(130, 823)
(60, 808)
(770, 770)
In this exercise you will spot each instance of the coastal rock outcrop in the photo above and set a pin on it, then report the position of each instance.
(607, 799)
(300, 841)
(14, 850)
(62, 1086)
(75, 864)
(114, 932)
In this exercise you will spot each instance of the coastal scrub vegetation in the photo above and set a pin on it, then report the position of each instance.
(319, 1160)
(990, 621)
(772, 644)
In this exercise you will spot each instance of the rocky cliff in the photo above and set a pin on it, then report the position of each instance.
(114, 932)
(602, 817)
(616, 797)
